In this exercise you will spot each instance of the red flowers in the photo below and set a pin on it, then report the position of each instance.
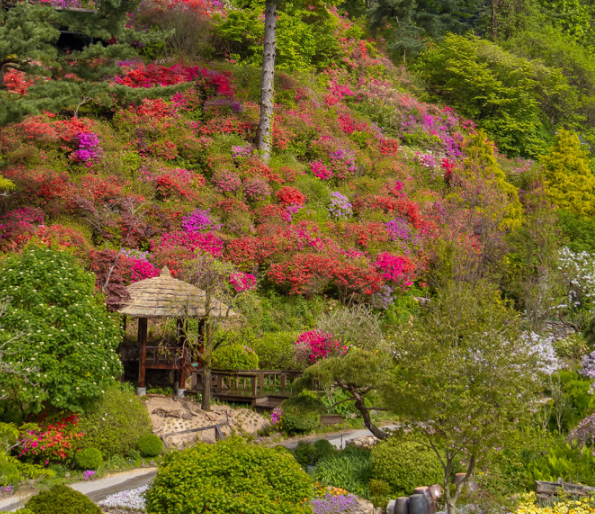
(290, 196)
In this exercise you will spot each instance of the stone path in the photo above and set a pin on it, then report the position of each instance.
(337, 439)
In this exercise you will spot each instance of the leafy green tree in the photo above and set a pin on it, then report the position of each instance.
(569, 180)
(502, 93)
(28, 37)
(359, 373)
(69, 341)
(464, 376)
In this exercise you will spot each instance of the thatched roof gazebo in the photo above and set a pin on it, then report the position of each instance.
(167, 297)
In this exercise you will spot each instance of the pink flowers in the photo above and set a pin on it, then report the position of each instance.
(320, 170)
(242, 281)
(395, 269)
(313, 346)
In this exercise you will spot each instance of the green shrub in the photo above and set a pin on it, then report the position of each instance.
(150, 445)
(115, 424)
(52, 292)
(276, 350)
(306, 454)
(304, 403)
(324, 448)
(300, 423)
(405, 463)
(24, 511)
(235, 356)
(231, 476)
(89, 458)
(61, 499)
(379, 492)
(349, 469)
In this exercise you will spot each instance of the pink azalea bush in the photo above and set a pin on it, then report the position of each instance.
(313, 346)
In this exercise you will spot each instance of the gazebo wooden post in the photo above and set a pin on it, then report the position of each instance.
(142, 341)
(180, 377)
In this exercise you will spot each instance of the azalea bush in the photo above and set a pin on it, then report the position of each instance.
(52, 442)
(313, 346)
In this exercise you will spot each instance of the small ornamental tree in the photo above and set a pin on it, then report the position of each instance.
(358, 373)
(569, 181)
(225, 288)
(465, 377)
(69, 338)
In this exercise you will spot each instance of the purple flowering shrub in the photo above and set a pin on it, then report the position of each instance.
(341, 207)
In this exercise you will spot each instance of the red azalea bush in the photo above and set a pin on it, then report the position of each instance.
(242, 281)
(51, 442)
(288, 195)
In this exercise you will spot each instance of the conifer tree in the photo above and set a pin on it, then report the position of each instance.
(65, 81)
(569, 180)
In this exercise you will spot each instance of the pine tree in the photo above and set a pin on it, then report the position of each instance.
(28, 37)
(569, 180)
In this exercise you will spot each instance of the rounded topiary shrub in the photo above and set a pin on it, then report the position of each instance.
(150, 445)
(300, 423)
(324, 448)
(61, 499)
(305, 453)
(405, 463)
(115, 424)
(235, 356)
(230, 476)
(89, 458)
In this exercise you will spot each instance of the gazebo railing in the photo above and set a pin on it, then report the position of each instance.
(166, 357)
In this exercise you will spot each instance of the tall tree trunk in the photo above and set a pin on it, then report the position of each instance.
(494, 27)
(267, 89)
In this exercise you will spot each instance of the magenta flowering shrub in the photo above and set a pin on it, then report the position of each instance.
(396, 270)
(227, 181)
(313, 346)
(141, 269)
(340, 208)
(200, 221)
(320, 170)
(242, 281)
(23, 220)
(277, 416)
(89, 149)
(256, 189)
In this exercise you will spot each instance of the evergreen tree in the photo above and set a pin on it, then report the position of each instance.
(569, 180)
(66, 81)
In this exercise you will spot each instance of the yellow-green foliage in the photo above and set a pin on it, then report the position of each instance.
(480, 164)
(569, 180)
(5, 184)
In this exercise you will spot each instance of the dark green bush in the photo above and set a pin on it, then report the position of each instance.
(304, 403)
(324, 448)
(231, 476)
(379, 492)
(405, 464)
(300, 423)
(305, 453)
(150, 445)
(349, 469)
(115, 424)
(61, 499)
(89, 458)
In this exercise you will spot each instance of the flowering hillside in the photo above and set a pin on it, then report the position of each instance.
(368, 190)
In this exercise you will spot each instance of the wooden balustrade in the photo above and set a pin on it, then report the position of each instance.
(254, 381)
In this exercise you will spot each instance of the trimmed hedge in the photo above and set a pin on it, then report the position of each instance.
(405, 463)
(235, 356)
(89, 458)
(230, 476)
(61, 499)
(150, 445)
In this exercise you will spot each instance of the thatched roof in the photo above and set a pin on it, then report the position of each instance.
(167, 297)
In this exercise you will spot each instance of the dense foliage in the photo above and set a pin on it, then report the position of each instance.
(61, 499)
(69, 337)
(228, 476)
(115, 425)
